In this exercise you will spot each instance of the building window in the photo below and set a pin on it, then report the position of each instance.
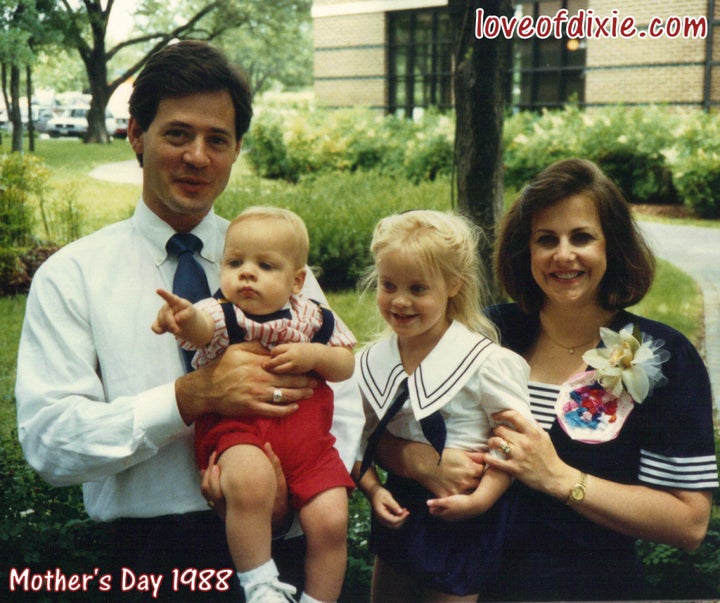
(548, 72)
(419, 61)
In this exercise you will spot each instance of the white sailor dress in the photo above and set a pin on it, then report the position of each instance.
(465, 379)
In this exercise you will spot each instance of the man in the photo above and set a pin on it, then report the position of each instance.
(102, 400)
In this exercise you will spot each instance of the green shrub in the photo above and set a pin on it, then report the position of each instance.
(18, 265)
(356, 587)
(676, 574)
(655, 154)
(627, 143)
(695, 158)
(269, 154)
(532, 142)
(429, 157)
(340, 211)
(22, 180)
(293, 143)
(42, 528)
(698, 181)
(11, 269)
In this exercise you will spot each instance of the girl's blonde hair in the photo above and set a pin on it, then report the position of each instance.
(446, 244)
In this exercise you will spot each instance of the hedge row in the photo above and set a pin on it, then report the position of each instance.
(340, 211)
(656, 154)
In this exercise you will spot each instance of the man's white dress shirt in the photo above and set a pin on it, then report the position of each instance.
(95, 386)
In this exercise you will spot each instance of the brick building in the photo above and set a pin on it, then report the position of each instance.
(395, 55)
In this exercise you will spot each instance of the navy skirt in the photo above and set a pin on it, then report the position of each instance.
(458, 558)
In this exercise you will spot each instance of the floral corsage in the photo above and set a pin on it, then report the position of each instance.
(593, 405)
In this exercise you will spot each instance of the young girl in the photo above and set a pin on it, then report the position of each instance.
(441, 366)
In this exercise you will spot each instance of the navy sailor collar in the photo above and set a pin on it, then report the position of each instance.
(434, 383)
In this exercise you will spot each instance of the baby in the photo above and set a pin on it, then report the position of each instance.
(263, 270)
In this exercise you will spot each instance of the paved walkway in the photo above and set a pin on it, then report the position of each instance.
(121, 171)
(696, 251)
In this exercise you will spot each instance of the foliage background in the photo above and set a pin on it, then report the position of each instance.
(371, 176)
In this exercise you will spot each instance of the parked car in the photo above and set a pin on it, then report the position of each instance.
(73, 122)
(41, 119)
(41, 115)
(121, 125)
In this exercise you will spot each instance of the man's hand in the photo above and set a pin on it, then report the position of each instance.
(210, 487)
(459, 472)
(282, 517)
(211, 491)
(237, 384)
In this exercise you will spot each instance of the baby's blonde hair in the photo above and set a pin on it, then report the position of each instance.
(295, 222)
(447, 245)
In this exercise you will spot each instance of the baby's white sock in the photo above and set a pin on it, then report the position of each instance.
(266, 572)
(305, 598)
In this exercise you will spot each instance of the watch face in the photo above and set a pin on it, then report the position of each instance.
(578, 493)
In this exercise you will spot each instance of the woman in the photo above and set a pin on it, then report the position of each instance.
(592, 481)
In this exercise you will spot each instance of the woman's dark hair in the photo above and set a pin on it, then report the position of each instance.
(189, 67)
(630, 263)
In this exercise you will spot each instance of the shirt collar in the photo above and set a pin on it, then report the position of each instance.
(438, 378)
(157, 232)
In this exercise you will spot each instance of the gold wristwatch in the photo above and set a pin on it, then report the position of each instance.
(577, 492)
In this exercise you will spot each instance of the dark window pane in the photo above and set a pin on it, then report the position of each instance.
(420, 57)
(549, 71)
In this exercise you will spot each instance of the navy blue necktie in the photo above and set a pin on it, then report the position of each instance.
(375, 436)
(190, 281)
(433, 427)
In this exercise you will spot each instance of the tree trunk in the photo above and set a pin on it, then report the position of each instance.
(95, 60)
(480, 91)
(15, 115)
(28, 96)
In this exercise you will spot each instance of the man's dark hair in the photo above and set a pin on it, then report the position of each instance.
(185, 68)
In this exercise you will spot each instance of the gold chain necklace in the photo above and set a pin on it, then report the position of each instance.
(570, 349)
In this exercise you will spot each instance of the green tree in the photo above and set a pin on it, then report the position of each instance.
(275, 51)
(23, 30)
(84, 25)
(479, 86)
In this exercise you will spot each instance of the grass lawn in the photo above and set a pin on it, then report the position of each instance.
(105, 202)
(674, 299)
(94, 202)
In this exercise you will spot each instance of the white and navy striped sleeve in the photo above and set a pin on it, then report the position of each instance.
(677, 447)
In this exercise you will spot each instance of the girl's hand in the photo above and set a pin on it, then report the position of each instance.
(387, 510)
(452, 508)
(459, 472)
